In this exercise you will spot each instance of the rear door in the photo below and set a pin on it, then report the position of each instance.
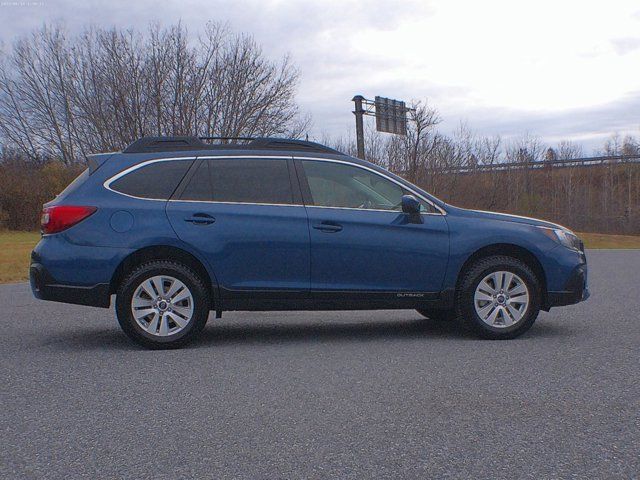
(245, 215)
(360, 239)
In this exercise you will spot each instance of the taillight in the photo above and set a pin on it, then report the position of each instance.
(60, 217)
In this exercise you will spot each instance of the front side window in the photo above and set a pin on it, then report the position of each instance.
(241, 180)
(345, 186)
(156, 180)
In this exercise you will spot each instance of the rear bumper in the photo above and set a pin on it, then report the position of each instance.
(45, 287)
(574, 291)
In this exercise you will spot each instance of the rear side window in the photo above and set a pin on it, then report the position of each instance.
(241, 180)
(157, 180)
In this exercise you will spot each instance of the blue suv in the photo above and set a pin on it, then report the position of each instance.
(176, 228)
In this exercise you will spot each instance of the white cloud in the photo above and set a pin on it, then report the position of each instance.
(473, 59)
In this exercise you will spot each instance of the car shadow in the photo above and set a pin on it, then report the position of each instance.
(88, 339)
(549, 329)
(261, 333)
(292, 333)
(362, 331)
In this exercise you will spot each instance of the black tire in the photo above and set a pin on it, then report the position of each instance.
(438, 315)
(465, 308)
(199, 292)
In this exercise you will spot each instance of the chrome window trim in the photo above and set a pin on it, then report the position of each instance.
(107, 183)
(441, 210)
(369, 210)
(293, 205)
(238, 203)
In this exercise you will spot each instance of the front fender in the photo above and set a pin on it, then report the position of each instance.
(469, 235)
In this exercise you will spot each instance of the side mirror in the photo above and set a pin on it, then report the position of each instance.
(410, 204)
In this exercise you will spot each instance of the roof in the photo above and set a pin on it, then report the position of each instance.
(186, 143)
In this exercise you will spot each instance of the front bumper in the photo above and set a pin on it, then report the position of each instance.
(45, 287)
(574, 291)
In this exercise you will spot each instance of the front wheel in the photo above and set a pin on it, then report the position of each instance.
(498, 298)
(162, 304)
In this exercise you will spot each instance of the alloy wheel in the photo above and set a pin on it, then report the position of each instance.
(501, 299)
(162, 305)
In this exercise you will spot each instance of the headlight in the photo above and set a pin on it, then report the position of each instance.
(563, 237)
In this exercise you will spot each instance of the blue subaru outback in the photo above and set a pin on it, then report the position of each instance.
(176, 228)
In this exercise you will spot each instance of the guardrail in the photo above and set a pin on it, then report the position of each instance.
(574, 162)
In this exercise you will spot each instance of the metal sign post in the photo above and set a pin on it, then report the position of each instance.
(391, 117)
(359, 113)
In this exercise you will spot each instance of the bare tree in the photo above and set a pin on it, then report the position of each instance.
(421, 137)
(64, 96)
(526, 149)
(567, 150)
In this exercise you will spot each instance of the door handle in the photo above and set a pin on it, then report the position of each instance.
(200, 219)
(328, 227)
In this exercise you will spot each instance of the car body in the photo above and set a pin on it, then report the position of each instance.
(284, 225)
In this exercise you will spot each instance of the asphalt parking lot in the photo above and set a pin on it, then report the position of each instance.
(326, 395)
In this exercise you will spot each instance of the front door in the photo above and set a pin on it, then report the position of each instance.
(246, 219)
(360, 239)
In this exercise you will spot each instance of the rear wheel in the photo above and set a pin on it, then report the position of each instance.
(162, 304)
(498, 298)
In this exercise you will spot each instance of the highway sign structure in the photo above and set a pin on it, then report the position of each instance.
(391, 117)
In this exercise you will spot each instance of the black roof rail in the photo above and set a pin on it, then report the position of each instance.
(165, 144)
(225, 139)
(181, 143)
(290, 144)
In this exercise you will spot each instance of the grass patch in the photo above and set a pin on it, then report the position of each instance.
(15, 255)
(600, 240)
(15, 250)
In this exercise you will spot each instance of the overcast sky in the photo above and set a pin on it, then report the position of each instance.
(553, 68)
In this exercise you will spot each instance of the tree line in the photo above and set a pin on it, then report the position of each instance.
(63, 97)
(600, 198)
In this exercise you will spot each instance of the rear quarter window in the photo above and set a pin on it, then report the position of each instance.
(156, 180)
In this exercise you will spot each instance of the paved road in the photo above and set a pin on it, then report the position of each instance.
(326, 395)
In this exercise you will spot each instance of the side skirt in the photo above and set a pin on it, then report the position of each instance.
(260, 300)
